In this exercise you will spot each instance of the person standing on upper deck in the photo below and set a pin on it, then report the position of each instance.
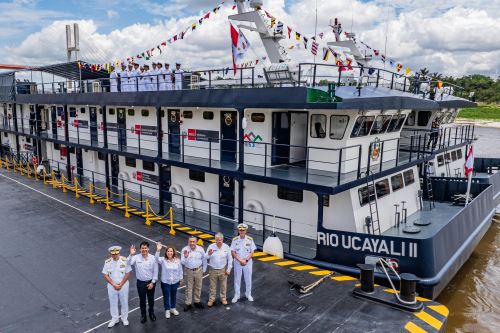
(134, 78)
(154, 77)
(146, 273)
(125, 78)
(168, 77)
(142, 80)
(178, 76)
(113, 79)
(120, 77)
(242, 248)
(161, 76)
(220, 265)
(195, 264)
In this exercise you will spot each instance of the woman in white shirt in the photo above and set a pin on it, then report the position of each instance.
(171, 276)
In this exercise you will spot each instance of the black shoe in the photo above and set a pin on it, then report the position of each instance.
(187, 307)
(152, 317)
(144, 319)
(198, 305)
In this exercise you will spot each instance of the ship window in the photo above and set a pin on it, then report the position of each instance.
(411, 119)
(326, 200)
(409, 177)
(72, 112)
(100, 156)
(57, 146)
(396, 123)
(459, 154)
(362, 126)
(447, 158)
(111, 111)
(380, 125)
(187, 114)
(364, 197)
(258, 117)
(318, 126)
(147, 165)
(290, 194)
(83, 110)
(131, 112)
(198, 176)
(397, 182)
(454, 155)
(71, 150)
(208, 115)
(338, 125)
(382, 188)
(28, 140)
(145, 113)
(130, 162)
(100, 110)
(423, 118)
(440, 160)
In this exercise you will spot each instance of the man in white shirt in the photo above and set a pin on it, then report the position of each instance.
(146, 273)
(116, 272)
(195, 264)
(220, 264)
(161, 76)
(134, 77)
(121, 73)
(168, 77)
(113, 80)
(178, 76)
(242, 248)
(154, 78)
(125, 78)
(141, 85)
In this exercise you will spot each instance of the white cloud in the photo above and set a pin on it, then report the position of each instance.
(452, 37)
(111, 14)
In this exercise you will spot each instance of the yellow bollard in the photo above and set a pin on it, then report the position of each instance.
(108, 207)
(148, 221)
(1, 163)
(7, 163)
(91, 196)
(36, 174)
(127, 214)
(20, 167)
(63, 184)
(44, 177)
(28, 169)
(172, 231)
(53, 179)
(76, 187)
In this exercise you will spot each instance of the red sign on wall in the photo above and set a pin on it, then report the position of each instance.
(191, 134)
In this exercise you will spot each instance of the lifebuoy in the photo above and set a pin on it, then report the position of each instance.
(192, 195)
(254, 211)
(177, 193)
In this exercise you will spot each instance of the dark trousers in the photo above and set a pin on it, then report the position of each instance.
(169, 295)
(142, 289)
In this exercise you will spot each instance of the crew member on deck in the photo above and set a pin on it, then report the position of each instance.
(134, 81)
(195, 264)
(116, 272)
(146, 273)
(242, 248)
(121, 82)
(142, 80)
(125, 77)
(154, 77)
(220, 265)
(178, 76)
(168, 77)
(161, 76)
(113, 79)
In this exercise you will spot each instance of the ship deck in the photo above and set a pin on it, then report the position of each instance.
(52, 250)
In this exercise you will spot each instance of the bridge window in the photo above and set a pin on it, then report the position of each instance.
(380, 125)
(149, 166)
(318, 126)
(440, 160)
(411, 119)
(208, 115)
(100, 156)
(290, 194)
(258, 117)
(130, 162)
(454, 155)
(198, 176)
(396, 123)
(338, 125)
(459, 154)
(409, 177)
(397, 182)
(382, 188)
(362, 126)
(423, 118)
(366, 194)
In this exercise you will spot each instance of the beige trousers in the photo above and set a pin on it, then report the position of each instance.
(216, 276)
(194, 280)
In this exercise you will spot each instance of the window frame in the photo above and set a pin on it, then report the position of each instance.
(145, 112)
(383, 127)
(208, 115)
(197, 176)
(186, 113)
(290, 194)
(393, 188)
(312, 128)
(363, 119)
(429, 116)
(257, 115)
(129, 164)
(145, 166)
(386, 186)
(408, 172)
(345, 128)
(130, 112)
(370, 190)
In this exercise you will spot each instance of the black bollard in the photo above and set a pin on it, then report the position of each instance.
(408, 287)
(366, 277)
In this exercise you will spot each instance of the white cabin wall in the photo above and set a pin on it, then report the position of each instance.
(198, 148)
(254, 152)
(339, 216)
(298, 137)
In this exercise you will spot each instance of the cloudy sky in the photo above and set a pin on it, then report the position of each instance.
(454, 37)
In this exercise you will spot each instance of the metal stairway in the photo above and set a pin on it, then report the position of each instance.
(428, 183)
(373, 205)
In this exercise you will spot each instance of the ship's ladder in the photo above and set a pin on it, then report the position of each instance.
(428, 183)
(447, 163)
(372, 203)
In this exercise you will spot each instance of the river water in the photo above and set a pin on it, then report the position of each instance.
(473, 296)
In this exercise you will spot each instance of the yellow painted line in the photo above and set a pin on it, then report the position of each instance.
(155, 218)
(139, 213)
(424, 316)
(184, 228)
(414, 328)
(259, 254)
(441, 309)
(320, 273)
(359, 285)
(270, 258)
(205, 236)
(116, 205)
(194, 232)
(131, 210)
(285, 263)
(303, 268)
(163, 221)
(121, 207)
(343, 278)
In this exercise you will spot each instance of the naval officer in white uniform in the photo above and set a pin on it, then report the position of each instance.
(242, 249)
(178, 76)
(116, 272)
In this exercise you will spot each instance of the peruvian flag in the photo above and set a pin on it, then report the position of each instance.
(240, 45)
(469, 162)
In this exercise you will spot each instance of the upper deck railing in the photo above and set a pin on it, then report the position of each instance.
(306, 75)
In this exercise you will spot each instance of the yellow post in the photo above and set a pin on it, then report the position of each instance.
(148, 221)
(53, 179)
(91, 196)
(28, 169)
(108, 207)
(36, 174)
(1, 163)
(7, 163)
(172, 231)
(200, 242)
(20, 167)
(75, 181)
(127, 214)
(63, 183)
(44, 177)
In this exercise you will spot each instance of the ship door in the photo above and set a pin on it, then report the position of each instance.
(115, 170)
(229, 135)
(165, 185)
(174, 131)
(281, 138)
(53, 121)
(122, 129)
(93, 126)
(79, 165)
(226, 196)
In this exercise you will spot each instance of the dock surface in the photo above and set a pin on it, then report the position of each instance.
(53, 247)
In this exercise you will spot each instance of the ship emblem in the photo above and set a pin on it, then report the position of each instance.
(375, 149)
(228, 120)
(226, 181)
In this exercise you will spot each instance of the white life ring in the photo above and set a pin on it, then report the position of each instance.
(177, 193)
(254, 214)
(191, 201)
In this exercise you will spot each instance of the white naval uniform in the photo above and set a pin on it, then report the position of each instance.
(154, 80)
(168, 79)
(113, 80)
(178, 73)
(243, 247)
(142, 81)
(116, 270)
(124, 85)
(133, 80)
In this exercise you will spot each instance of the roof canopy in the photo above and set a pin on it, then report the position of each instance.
(72, 71)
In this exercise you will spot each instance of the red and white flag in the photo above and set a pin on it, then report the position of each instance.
(314, 48)
(469, 162)
(240, 45)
